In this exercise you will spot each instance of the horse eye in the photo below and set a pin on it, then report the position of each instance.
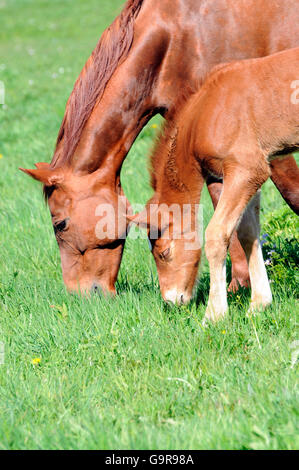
(165, 253)
(60, 226)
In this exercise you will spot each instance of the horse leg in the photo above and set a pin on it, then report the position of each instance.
(240, 184)
(285, 176)
(240, 273)
(249, 236)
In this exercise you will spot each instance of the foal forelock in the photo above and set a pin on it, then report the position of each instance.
(112, 48)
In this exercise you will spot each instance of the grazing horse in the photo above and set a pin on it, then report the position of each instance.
(140, 67)
(244, 116)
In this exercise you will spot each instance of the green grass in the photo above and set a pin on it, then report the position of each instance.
(131, 372)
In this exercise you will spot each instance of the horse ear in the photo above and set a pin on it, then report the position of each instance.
(44, 174)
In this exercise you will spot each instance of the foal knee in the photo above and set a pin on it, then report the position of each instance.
(215, 246)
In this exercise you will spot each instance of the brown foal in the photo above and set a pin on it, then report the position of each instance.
(139, 68)
(244, 116)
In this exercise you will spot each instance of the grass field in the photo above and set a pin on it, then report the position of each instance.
(127, 373)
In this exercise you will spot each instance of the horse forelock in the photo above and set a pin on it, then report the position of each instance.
(112, 48)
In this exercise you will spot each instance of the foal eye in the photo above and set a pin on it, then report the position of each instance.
(165, 254)
(60, 226)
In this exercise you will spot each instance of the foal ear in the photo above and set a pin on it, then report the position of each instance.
(141, 219)
(45, 174)
(44, 165)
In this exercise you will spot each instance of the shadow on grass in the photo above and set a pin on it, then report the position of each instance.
(124, 286)
(140, 289)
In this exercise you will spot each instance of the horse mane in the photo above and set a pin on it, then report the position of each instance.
(112, 49)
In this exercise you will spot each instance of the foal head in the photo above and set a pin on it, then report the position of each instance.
(175, 244)
(89, 221)
(171, 216)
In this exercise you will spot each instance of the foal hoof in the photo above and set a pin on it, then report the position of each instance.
(256, 308)
(212, 315)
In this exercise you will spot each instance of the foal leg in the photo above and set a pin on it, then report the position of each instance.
(249, 236)
(240, 273)
(239, 187)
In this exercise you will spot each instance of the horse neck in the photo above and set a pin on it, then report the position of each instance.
(157, 66)
(145, 83)
(110, 132)
(123, 109)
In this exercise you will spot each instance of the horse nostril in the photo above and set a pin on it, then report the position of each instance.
(174, 297)
(95, 288)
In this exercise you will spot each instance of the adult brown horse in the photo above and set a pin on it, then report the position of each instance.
(142, 63)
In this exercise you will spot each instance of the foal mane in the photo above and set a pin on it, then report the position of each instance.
(163, 151)
(162, 161)
(112, 49)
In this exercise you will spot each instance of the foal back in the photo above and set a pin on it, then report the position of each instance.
(246, 108)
